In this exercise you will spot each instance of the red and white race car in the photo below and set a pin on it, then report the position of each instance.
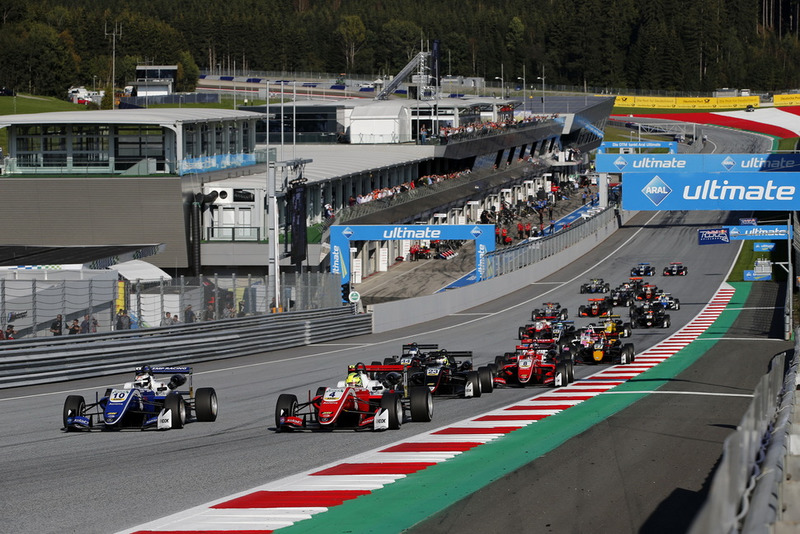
(540, 362)
(371, 398)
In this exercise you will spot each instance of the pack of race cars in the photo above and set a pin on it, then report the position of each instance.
(384, 395)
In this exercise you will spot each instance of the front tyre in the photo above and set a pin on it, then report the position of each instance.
(393, 405)
(421, 404)
(286, 407)
(474, 380)
(205, 405)
(486, 377)
(74, 405)
(174, 403)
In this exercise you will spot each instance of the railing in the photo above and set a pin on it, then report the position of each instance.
(233, 233)
(41, 361)
(745, 490)
(513, 258)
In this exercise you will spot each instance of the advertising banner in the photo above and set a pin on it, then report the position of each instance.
(717, 163)
(739, 233)
(750, 221)
(482, 234)
(713, 236)
(763, 247)
(671, 146)
(786, 100)
(699, 191)
(751, 276)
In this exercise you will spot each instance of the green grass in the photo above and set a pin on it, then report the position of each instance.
(22, 104)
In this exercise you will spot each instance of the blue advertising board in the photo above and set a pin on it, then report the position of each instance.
(672, 146)
(700, 191)
(482, 234)
(721, 163)
(739, 233)
(713, 236)
(751, 276)
(763, 247)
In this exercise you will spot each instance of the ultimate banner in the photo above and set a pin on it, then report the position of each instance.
(721, 163)
(753, 191)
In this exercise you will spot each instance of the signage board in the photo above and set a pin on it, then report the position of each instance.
(751, 276)
(671, 146)
(341, 235)
(752, 191)
(763, 247)
(739, 233)
(716, 163)
(751, 221)
(713, 236)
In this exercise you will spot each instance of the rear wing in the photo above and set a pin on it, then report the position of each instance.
(420, 346)
(596, 300)
(460, 354)
(170, 370)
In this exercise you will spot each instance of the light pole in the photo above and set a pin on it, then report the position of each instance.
(94, 83)
(542, 78)
(524, 100)
(502, 82)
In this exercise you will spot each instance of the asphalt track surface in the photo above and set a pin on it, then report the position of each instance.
(107, 481)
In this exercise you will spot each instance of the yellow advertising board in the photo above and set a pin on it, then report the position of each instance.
(786, 100)
(692, 102)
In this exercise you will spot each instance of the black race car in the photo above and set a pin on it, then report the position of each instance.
(595, 285)
(649, 316)
(550, 311)
(595, 308)
(595, 345)
(648, 292)
(445, 373)
(675, 268)
(643, 269)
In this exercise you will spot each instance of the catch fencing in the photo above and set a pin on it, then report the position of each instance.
(745, 491)
(31, 301)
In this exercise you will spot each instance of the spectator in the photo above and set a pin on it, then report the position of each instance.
(208, 313)
(229, 312)
(188, 314)
(74, 327)
(11, 333)
(167, 319)
(89, 324)
(175, 318)
(57, 327)
(123, 320)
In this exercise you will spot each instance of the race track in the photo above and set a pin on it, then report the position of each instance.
(103, 481)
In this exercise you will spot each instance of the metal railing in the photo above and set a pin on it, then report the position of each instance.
(744, 494)
(46, 360)
(516, 257)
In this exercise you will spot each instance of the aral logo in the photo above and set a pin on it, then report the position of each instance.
(620, 163)
(728, 163)
(656, 190)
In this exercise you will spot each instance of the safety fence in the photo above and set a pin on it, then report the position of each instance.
(513, 258)
(45, 360)
(32, 300)
(745, 491)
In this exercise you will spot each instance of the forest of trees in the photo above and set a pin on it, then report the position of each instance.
(673, 45)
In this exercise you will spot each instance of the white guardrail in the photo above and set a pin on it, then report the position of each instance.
(750, 487)
(43, 360)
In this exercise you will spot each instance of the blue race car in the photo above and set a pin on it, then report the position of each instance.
(643, 269)
(144, 403)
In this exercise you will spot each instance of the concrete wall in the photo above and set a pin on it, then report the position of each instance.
(402, 313)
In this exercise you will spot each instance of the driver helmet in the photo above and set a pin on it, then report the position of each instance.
(143, 377)
(539, 325)
(354, 380)
(609, 327)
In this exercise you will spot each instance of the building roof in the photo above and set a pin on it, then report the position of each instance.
(155, 116)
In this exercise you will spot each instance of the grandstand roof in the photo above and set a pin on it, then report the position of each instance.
(155, 116)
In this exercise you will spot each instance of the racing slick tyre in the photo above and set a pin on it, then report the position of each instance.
(205, 404)
(499, 361)
(583, 289)
(626, 329)
(564, 314)
(174, 403)
(376, 363)
(627, 353)
(570, 371)
(493, 368)
(74, 405)
(606, 288)
(474, 380)
(486, 377)
(666, 322)
(677, 304)
(392, 403)
(560, 377)
(286, 407)
(534, 313)
(421, 404)
(521, 332)
(582, 311)
(389, 361)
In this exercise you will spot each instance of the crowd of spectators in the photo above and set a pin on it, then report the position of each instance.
(474, 129)
(389, 192)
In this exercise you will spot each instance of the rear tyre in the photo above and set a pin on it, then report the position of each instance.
(521, 332)
(626, 329)
(391, 402)
(475, 381)
(74, 405)
(677, 304)
(421, 404)
(493, 368)
(487, 379)
(286, 407)
(174, 403)
(389, 361)
(666, 322)
(205, 404)
(499, 361)
(627, 354)
(570, 371)
(560, 379)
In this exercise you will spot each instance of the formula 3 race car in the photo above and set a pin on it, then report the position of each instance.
(648, 315)
(144, 403)
(675, 268)
(595, 308)
(597, 346)
(595, 285)
(540, 363)
(550, 311)
(373, 397)
(445, 373)
(643, 269)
